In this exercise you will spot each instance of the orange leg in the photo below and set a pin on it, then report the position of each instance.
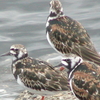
(42, 98)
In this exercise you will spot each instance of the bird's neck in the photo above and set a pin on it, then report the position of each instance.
(17, 58)
(17, 65)
(74, 67)
(53, 14)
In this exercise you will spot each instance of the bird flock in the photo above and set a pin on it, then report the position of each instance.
(79, 56)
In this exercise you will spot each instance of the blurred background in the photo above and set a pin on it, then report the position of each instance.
(23, 21)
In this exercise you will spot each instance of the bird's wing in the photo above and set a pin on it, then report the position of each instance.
(41, 75)
(69, 36)
(85, 82)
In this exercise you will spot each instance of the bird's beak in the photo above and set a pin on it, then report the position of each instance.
(60, 65)
(6, 54)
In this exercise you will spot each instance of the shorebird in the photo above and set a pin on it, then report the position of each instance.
(37, 76)
(67, 36)
(84, 78)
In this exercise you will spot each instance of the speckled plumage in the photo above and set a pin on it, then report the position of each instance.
(68, 36)
(37, 76)
(84, 78)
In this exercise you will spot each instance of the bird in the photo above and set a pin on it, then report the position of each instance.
(35, 75)
(67, 36)
(84, 77)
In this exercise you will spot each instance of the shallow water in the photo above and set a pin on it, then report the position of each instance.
(23, 21)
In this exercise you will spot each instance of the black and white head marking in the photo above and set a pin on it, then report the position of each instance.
(56, 11)
(71, 63)
(18, 51)
(56, 8)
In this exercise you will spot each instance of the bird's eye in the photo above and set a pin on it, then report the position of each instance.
(12, 49)
(16, 49)
(67, 60)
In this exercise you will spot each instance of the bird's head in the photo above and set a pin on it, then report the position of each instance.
(18, 51)
(56, 8)
(71, 62)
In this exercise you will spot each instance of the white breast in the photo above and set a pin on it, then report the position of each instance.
(52, 45)
(70, 83)
(19, 81)
(48, 38)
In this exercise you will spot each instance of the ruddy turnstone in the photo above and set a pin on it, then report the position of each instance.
(68, 36)
(84, 78)
(37, 76)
